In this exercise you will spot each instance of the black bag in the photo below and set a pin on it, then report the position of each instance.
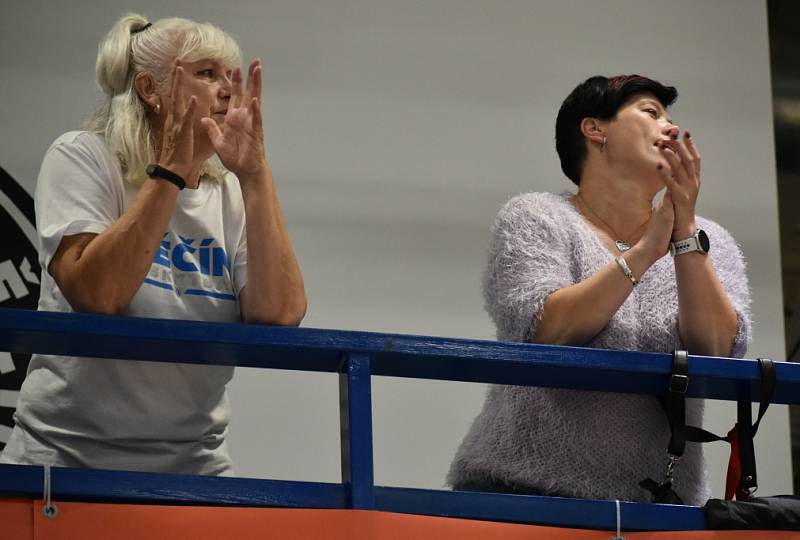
(781, 512)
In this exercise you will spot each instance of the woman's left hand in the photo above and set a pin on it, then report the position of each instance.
(239, 140)
(681, 175)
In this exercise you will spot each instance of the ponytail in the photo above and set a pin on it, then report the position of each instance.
(114, 54)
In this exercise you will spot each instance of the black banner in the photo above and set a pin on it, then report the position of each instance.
(19, 276)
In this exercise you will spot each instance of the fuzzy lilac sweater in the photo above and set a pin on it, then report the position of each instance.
(582, 443)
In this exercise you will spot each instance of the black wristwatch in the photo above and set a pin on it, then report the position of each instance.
(156, 171)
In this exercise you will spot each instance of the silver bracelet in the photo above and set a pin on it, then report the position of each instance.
(623, 264)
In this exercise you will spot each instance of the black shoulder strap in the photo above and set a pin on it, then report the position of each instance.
(674, 408)
(767, 388)
(674, 403)
(747, 430)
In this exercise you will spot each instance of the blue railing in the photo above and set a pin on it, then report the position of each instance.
(356, 356)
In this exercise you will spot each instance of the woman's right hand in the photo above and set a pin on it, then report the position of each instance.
(657, 236)
(177, 142)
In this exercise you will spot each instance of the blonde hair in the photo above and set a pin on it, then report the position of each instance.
(131, 47)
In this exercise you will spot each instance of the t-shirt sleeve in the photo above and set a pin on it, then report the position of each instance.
(729, 263)
(236, 232)
(74, 194)
(528, 260)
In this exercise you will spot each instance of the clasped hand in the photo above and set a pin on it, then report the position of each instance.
(681, 175)
(673, 218)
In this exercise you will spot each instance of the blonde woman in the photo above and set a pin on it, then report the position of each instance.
(164, 207)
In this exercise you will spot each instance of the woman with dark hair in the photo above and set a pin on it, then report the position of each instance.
(606, 268)
(164, 207)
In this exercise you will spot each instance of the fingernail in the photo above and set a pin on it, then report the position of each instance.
(688, 135)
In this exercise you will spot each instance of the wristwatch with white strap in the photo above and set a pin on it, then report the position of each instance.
(698, 242)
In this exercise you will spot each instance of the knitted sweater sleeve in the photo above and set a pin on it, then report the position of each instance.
(528, 260)
(728, 261)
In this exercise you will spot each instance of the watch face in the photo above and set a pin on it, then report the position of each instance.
(150, 169)
(702, 239)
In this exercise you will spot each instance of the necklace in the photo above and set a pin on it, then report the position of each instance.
(621, 243)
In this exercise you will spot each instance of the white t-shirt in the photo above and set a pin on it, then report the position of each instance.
(122, 414)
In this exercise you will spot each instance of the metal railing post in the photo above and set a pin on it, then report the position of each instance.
(355, 420)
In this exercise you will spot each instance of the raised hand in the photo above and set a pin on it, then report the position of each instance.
(239, 141)
(177, 143)
(682, 177)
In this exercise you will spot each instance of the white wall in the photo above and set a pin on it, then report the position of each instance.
(396, 129)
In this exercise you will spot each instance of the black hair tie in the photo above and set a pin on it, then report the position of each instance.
(142, 29)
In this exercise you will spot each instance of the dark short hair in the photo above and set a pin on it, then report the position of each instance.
(598, 97)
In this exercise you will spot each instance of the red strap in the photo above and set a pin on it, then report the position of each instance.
(733, 484)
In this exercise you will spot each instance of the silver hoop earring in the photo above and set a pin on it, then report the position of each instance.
(603, 146)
